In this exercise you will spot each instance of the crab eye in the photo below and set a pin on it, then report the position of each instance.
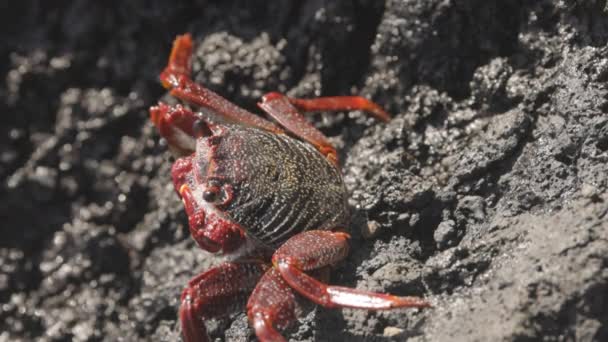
(201, 129)
(217, 192)
(210, 195)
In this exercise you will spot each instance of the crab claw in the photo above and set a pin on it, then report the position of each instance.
(217, 234)
(214, 234)
(178, 125)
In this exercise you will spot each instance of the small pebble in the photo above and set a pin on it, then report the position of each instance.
(371, 230)
(392, 331)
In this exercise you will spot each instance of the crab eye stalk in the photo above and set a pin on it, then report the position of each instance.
(201, 129)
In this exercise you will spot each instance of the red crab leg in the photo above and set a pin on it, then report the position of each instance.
(314, 249)
(218, 292)
(271, 307)
(338, 103)
(280, 108)
(176, 77)
(283, 109)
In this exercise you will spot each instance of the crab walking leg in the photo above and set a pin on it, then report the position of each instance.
(218, 292)
(337, 103)
(176, 77)
(314, 249)
(179, 61)
(271, 307)
(286, 111)
(281, 109)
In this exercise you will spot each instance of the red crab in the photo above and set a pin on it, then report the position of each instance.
(255, 192)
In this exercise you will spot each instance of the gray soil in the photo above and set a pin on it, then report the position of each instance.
(486, 193)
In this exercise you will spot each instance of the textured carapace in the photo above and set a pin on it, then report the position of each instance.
(279, 186)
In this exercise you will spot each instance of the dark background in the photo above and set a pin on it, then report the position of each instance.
(486, 193)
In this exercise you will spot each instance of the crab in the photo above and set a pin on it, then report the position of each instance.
(267, 197)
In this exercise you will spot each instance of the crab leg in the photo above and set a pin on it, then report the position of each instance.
(338, 103)
(280, 108)
(285, 110)
(314, 249)
(218, 292)
(176, 77)
(271, 307)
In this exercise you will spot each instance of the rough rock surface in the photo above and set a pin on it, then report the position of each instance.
(486, 193)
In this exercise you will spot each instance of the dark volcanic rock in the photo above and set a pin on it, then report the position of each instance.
(486, 193)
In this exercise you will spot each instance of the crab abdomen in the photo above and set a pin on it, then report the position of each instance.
(280, 186)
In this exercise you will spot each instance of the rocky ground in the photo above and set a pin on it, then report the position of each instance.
(486, 193)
